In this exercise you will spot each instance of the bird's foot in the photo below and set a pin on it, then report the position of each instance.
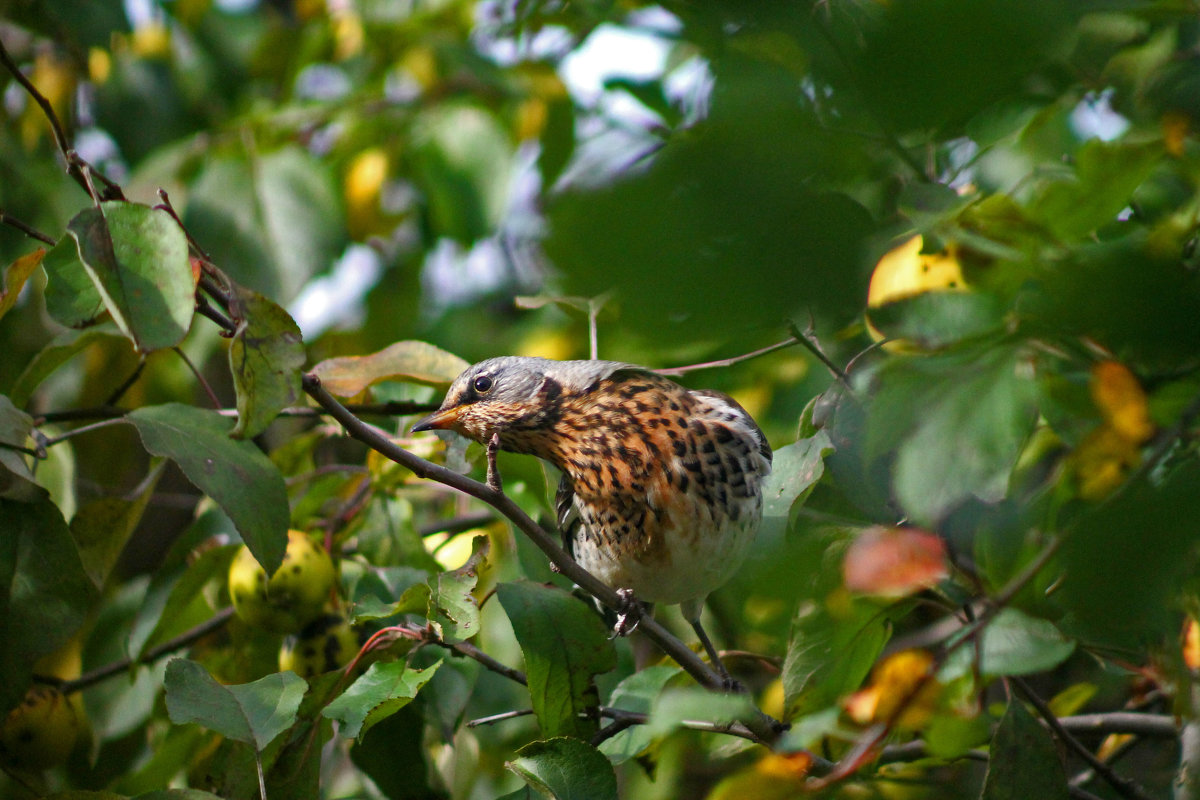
(728, 682)
(493, 472)
(629, 614)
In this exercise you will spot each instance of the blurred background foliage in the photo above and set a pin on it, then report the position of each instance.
(723, 174)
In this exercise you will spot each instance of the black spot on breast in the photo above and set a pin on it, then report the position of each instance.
(709, 446)
(679, 447)
(683, 482)
(724, 435)
(550, 389)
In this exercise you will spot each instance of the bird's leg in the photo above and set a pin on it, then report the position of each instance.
(630, 613)
(493, 472)
(691, 612)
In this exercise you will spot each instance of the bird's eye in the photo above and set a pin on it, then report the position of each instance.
(483, 384)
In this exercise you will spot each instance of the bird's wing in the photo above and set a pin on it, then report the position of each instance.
(568, 515)
(760, 440)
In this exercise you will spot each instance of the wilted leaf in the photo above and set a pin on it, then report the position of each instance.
(452, 606)
(265, 357)
(383, 690)
(414, 361)
(44, 592)
(566, 769)
(254, 713)
(235, 474)
(1024, 762)
(565, 645)
(894, 562)
(15, 276)
(137, 257)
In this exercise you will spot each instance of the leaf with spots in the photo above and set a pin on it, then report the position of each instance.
(236, 474)
(565, 645)
(265, 357)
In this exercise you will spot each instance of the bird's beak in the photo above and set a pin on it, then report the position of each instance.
(440, 420)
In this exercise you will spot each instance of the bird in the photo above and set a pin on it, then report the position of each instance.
(661, 488)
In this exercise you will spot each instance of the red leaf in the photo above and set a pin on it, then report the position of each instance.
(894, 561)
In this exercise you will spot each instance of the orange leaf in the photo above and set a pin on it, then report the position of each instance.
(894, 562)
(1121, 400)
(1191, 644)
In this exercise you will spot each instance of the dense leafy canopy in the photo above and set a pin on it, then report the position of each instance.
(972, 226)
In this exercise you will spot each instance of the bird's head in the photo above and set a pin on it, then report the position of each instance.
(513, 396)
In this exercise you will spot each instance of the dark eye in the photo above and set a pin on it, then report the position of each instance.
(483, 384)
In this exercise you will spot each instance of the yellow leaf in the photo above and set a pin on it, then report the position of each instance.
(1102, 461)
(15, 277)
(1121, 400)
(902, 692)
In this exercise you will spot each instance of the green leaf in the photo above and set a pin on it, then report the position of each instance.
(137, 257)
(566, 769)
(16, 479)
(1125, 562)
(265, 358)
(965, 427)
(102, 527)
(15, 276)
(636, 693)
(383, 690)
(1024, 762)
(44, 592)
(939, 318)
(795, 470)
(1015, 643)
(253, 713)
(1106, 175)
(829, 655)
(462, 160)
(565, 645)
(59, 351)
(274, 220)
(235, 474)
(452, 605)
(419, 362)
(71, 297)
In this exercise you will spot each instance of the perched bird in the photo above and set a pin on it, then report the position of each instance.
(661, 489)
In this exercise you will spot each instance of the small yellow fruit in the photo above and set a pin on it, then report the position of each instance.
(39, 733)
(327, 643)
(293, 596)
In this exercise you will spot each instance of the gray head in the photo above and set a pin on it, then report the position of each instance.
(500, 393)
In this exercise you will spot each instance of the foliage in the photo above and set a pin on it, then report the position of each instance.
(973, 227)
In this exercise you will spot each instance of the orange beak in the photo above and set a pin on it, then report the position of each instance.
(441, 420)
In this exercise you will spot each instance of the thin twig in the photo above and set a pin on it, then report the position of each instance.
(729, 362)
(1126, 788)
(808, 338)
(208, 390)
(503, 716)
(205, 309)
(104, 423)
(213, 623)
(25, 228)
(120, 391)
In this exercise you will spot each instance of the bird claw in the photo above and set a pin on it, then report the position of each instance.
(629, 615)
(493, 472)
